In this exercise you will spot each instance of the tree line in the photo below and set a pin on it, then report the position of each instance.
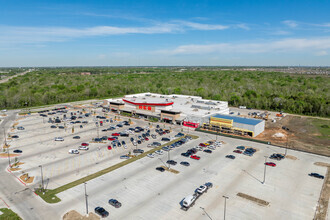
(294, 93)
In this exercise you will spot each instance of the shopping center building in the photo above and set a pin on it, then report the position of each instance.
(185, 110)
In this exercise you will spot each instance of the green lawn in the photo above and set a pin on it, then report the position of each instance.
(323, 126)
(8, 214)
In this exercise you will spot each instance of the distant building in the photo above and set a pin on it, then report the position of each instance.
(85, 73)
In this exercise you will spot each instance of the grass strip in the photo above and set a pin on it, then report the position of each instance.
(8, 214)
(49, 195)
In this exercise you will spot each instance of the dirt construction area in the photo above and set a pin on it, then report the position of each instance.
(303, 134)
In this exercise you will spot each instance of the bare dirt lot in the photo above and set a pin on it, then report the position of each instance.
(304, 133)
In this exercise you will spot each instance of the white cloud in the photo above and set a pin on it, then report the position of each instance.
(280, 32)
(291, 24)
(284, 45)
(200, 26)
(321, 53)
(243, 26)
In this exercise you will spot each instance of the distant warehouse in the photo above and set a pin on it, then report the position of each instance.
(235, 125)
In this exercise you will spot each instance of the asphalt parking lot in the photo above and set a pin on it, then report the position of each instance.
(59, 167)
(146, 193)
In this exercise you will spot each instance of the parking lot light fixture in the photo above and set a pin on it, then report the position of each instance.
(224, 213)
(265, 170)
(205, 213)
(86, 198)
(42, 177)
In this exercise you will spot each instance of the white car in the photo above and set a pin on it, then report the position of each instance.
(73, 151)
(211, 147)
(198, 148)
(160, 152)
(151, 155)
(201, 189)
(125, 146)
(59, 139)
(83, 148)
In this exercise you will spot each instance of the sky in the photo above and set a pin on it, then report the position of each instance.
(164, 33)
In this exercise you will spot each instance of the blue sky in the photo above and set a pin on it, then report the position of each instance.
(159, 32)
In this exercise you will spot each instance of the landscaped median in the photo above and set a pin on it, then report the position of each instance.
(49, 195)
(9, 214)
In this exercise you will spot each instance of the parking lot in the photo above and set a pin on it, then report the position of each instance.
(146, 193)
(58, 166)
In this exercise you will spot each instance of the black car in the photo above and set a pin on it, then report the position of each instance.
(161, 169)
(157, 126)
(230, 156)
(101, 211)
(316, 175)
(53, 126)
(123, 142)
(165, 139)
(76, 137)
(119, 125)
(104, 138)
(179, 134)
(104, 129)
(61, 127)
(115, 203)
(139, 142)
(97, 139)
(207, 151)
(132, 139)
(172, 162)
(15, 136)
(185, 154)
(156, 143)
(184, 163)
(18, 151)
(119, 144)
(124, 135)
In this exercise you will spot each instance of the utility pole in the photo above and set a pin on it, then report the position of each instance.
(206, 213)
(286, 148)
(168, 155)
(42, 177)
(224, 213)
(86, 198)
(265, 170)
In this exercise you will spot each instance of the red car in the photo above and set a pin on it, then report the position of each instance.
(147, 139)
(237, 151)
(112, 138)
(202, 145)
(109, 147)
(85, 144)
(271, 164)
(195, 157)
(115, 134)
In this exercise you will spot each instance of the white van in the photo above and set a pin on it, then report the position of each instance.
(189, 200)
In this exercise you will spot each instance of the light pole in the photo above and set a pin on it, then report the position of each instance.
(206, 213)
(162, 162)
(168, 155)
(8, 157)
(86, 198)
(42, 177)
(265, 170)
(224, 213)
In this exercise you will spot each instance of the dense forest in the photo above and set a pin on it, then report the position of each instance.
(294, 93)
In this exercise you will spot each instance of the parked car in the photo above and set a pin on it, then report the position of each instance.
(179, 134)
(15, 136)
(138, 151)
(316, 175)
(161, 169)
(124, 157)
(185, 154)
(101, 211)
(172, 162)
(84, 144)
(195, 157)
(270, 164)
(59, 139)
(18, 151)
(201, 189)
(230, 156)
(207, 151)
(115, 134)
(109, 147)
(53, 126)
(151, 155)
(76, 137)
(112, 138)
(156, 143)
(237, 151)
(20, 128)
(83, 148)
(160, 152)
(115, 203)
(240, 147)
(73, 151)
(185, 163)
(165, 139)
